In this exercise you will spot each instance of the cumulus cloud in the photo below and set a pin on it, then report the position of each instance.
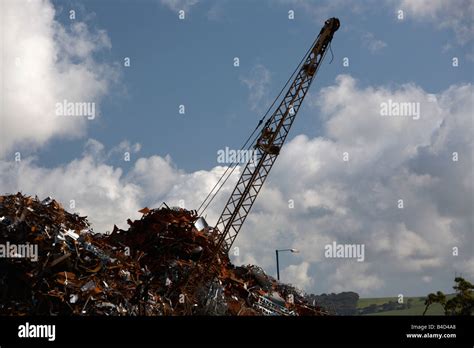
(298, 275)
(356, 201)
(314, 197)
(105, 193)
(45, 63)
(85, 185)
(354, 276)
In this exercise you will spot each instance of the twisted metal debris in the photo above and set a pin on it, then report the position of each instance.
(144, 270)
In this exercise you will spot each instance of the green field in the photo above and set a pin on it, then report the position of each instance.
(417, 308)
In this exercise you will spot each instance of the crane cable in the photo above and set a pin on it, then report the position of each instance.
(234, 165)
(332, 54)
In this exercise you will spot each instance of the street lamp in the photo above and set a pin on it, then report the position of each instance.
(278, 262)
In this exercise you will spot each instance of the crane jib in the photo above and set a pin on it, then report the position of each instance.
(269, 143)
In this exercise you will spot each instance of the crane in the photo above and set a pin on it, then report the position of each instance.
(269, 143)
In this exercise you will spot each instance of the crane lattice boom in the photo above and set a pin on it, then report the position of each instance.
(269, 143)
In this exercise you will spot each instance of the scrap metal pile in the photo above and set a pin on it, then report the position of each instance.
(52, 263)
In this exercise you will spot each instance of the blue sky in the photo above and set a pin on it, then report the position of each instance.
(427, 163)
(190, 62)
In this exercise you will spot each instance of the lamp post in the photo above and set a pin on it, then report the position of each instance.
(278, 262)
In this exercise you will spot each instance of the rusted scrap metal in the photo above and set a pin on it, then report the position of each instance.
(144, 270)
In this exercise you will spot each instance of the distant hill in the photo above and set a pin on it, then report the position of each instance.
(384, 305)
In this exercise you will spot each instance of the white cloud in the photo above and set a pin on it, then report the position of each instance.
(455, 15)
(257, 82)
(178, 5)
(356, 201)
(124, 150)
(356, 277)
(98, 190)
(298, 275)
(103, 192)
(372, 43)
(46, 63)
(322, 10)
(166, 177)
(427, 279)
